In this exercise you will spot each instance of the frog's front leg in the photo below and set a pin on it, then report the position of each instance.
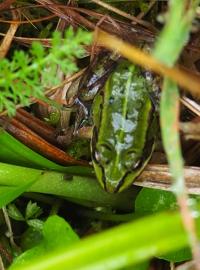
(65, 137)
(64, 130)
(75, 123)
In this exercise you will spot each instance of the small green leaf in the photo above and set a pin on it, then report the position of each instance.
(14, 212)
(31, 238)
(36, 65)
(79, 149)
(141, 266)
(57, 233)
(36, 224)
(181, 255)
(32, 210)
(154, 200)
(37, 50)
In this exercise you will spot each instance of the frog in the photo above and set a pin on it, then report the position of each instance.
(124, 127)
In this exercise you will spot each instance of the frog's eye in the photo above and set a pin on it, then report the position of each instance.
(104, 153)
(136, 165)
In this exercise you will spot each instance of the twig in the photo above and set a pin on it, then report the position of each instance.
(7, 40)
(150, 5)
(9, 226)
(191, 105)
(124, 14)
(6, 4)
(1, 264)
(159, 177)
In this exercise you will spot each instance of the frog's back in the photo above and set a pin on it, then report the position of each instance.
(126, 106)
(122, 128)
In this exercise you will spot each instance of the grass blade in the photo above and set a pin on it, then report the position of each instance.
(130, 244)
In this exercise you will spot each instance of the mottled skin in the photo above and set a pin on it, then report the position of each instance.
(96, 76)
(124, 128)
(93, 80)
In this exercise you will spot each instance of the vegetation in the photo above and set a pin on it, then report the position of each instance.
(25, 70)
(55, 125)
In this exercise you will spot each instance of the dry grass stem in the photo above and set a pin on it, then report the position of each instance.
(188, 82)
(159, 177)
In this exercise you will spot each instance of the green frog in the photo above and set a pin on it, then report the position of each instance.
(125, 124)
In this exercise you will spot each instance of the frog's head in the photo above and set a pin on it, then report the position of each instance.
(116, 171)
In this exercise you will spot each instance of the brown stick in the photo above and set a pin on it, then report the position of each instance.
(38, 126)
(159, 177)
(181, 77)
(35, 142)
(6, 4)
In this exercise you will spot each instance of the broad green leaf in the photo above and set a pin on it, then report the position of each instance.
(125, 245)
(57, 233)
(8, 194)
(15, 152)
(150, 201)
(82, 190)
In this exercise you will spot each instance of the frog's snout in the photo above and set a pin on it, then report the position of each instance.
(112, 186)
